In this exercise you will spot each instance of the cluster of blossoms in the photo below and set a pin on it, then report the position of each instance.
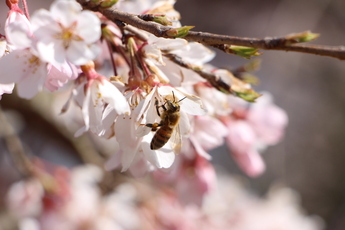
(123, 78)
(60, 204)
(128, 83)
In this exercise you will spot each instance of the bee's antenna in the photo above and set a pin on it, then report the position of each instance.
(181, 99)
(173, 95)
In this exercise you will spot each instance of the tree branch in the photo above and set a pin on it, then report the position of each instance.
(211, 78)
(216, 40)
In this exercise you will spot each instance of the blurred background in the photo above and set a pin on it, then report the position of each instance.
(310, 88)
(311, 157)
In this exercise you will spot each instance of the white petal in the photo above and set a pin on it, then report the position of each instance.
(65, 11)
(79, 53)
(161, 158)
(95, 110)
(114, 97)
(43, 19)
(167, 90)
(154, 54)
(3, 46)
(18, 31)
(88, 27)
(167, 44)
(113, 162)
(184, 124)
(6, 88)
(178, 75)
(51, 51)
(79, 93)
(108, 119)
(192, 106)
(195, 53)
(140, 111)
(85, 111)
(128, 141)
(17, 65)
(33, 82)
(140, 166)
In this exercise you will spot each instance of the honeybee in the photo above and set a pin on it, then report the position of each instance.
(168, 126)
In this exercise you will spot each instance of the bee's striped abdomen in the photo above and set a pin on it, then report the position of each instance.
(161, 137)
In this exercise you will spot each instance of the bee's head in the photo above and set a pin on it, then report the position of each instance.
(172, 106)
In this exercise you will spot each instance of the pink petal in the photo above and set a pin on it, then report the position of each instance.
(241, 136)
(209, 132)
(58, 76)
(269, 123)
(250, 162)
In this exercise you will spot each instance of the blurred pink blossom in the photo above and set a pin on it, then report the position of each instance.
(251, 129)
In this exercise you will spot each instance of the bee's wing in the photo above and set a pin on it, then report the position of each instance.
(176, 139)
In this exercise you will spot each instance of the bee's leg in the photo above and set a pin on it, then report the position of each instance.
(154, 126)
(163, 106)
(157, 108)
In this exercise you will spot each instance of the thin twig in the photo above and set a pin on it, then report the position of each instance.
(269, 43)
(15, 147)
(213, 79)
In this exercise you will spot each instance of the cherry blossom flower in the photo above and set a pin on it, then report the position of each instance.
(209, 95)
(268, 120)
(193, 178)
(101, 102)
(24, 198)
(242, 142)
(66, 33)
(208, 133)
(76, 202)
(18, 30)
(168, 71)
(60, 45)
(251, 129)
(22, 65)
(135, 138)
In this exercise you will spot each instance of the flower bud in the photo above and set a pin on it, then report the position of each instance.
(108, 3)
(306, 36)
(242, 51)
(247, 94)
(179, 32)
(163, 20)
